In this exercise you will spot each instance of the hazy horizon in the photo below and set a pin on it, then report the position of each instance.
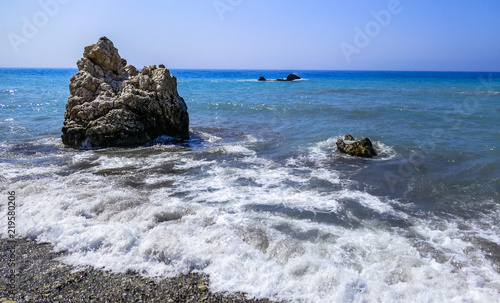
(388, 35)
(284, 70)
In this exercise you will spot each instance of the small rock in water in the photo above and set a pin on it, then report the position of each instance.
(362, 148)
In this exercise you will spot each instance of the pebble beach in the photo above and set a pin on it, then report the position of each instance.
(42, 278)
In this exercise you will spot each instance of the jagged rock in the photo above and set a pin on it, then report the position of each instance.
(292, 77)
(362, 148)
(114, 104)
(262, 78)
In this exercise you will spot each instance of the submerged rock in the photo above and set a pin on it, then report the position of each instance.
(262, 79)
(362, 148)
(114, 104)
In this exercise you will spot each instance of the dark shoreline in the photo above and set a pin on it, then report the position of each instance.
(41, 278)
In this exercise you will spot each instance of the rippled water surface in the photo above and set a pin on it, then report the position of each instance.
(261, 200)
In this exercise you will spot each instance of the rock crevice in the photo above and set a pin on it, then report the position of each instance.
(114, 104)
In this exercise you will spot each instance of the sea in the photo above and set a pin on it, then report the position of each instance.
(260, 199)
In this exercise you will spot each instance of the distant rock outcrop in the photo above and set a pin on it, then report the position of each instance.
(290, 77)
(362, 148)
(114, 104)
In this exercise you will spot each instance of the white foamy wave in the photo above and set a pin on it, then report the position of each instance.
(385, 152)
(207, 136)
(111, 162)
(254, 225)
(318, 153)
(480, 93)
(367, 200)
(12, 171)
(327, 175)
(238, 149)
(9, 91)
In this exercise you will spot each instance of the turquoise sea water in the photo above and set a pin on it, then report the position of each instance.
(261, 200)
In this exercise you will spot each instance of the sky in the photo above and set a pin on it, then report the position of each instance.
(428, 35)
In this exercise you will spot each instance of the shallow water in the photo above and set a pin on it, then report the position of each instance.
(261, 200)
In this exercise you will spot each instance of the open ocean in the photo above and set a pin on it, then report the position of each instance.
(260, 199)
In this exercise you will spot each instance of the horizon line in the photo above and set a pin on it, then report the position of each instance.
(268, 69)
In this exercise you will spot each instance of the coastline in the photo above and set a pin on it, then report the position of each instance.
(41, 278)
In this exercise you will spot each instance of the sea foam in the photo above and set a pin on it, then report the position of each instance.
(254, 226)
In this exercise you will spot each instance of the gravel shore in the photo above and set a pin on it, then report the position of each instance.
(41, 278)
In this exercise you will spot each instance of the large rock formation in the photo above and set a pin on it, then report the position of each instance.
(362, 148)
(114, 104)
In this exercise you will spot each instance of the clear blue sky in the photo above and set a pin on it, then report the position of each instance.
(459, 35)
